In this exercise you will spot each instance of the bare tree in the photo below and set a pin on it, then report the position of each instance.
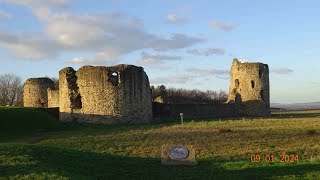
(11, 90)
(223, 96)
(158, 91)
(173, 95)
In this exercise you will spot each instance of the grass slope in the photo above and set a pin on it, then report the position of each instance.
(16, 122)
(223, 149)
(26, 120)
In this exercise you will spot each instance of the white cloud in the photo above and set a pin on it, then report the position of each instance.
(194, 74)
(191, 75)
(223, 26)
(98, 59)
(208, 71)
(282, 71)
(224, 77)
(179, 15)
(77, 60)
(113, 34)
(206, 52)
(173, 79)
(317, 83)
(34, 3)
(155, 59)
(176, 41)
(109, 36)
(4, 14)
(175, 19)
(29, 47)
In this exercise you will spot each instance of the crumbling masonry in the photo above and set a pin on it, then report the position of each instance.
(250, 89)
(121, 94)
(118, 94)
(35, 92)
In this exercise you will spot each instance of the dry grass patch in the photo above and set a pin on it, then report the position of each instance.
(221, 131)
(311, 132)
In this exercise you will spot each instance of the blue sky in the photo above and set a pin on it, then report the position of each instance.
(182, 44)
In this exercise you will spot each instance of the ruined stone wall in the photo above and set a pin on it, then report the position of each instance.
(53, 98)
(194, 110)
(118, 94)
(69, 97)
(35, 92)
(249, 88)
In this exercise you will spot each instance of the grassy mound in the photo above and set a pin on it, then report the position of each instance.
(18, 121)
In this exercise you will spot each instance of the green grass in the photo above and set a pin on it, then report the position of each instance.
(17, 122)
(223, 148)
(26, 120)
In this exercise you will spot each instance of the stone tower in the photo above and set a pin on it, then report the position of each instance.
(105, 95)
(250, 89)
(35, 92)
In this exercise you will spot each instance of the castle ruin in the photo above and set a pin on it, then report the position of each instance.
(122, 94)
(249, 88)
(117, 94)
(35, 92)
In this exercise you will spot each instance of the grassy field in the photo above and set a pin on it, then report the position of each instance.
(34, 145)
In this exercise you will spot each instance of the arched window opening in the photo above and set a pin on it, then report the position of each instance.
(113, 78)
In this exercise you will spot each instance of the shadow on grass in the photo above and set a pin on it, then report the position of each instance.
(74, 128)
(76, 164)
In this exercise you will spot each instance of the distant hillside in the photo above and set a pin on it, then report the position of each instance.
(297, 106)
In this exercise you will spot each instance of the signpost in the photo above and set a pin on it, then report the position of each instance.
(181, 116)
